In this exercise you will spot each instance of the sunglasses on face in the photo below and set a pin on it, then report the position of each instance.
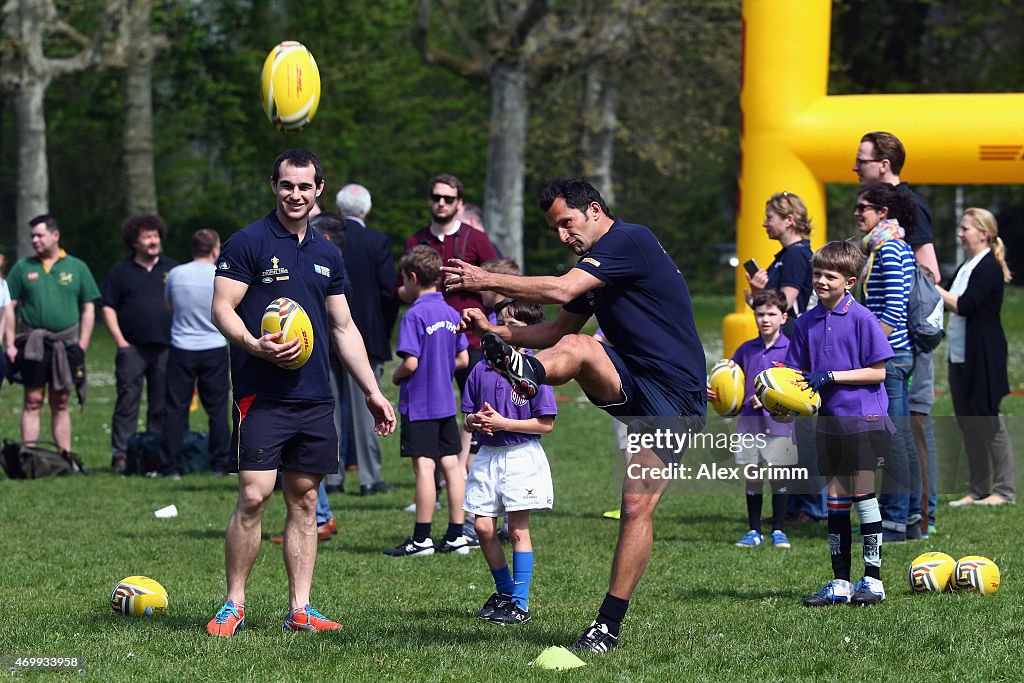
(447, 199)
(861, 208)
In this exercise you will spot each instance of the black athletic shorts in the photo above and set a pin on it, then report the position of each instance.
(430, 438)
(271, 434)
(35, 374)
(843, 454)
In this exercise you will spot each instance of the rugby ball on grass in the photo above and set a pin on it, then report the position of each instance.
(727, 380)
(783, 392)
(931, 572)
(138, 596)
(976, 573)
(287, 316)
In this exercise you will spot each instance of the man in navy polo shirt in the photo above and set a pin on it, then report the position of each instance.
(651, 376)
(134, 311)
(284, 418)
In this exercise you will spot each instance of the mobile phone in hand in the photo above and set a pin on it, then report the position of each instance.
(750, 265)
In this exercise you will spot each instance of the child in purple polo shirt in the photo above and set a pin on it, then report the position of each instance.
(510, 474)
(842, 350)
(774, 440)
(431, 350)
(505, 266)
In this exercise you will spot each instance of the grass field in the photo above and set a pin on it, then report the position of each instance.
(704, 610)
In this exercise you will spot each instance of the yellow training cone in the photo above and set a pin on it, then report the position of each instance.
(557, 658)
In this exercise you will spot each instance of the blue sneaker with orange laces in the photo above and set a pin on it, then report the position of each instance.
(308, 619)
(227, 621)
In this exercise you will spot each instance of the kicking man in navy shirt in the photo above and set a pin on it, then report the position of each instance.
(284, 417)
(653, 378)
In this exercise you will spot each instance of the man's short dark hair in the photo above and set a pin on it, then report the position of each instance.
(887, 146)
(46, 219)
(449, 180)
(204, 240)
(131, 228)
(331, 226)
(298, 158)
(424, 262)
(577, 193)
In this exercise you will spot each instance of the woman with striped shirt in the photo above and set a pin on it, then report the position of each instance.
(886, 219)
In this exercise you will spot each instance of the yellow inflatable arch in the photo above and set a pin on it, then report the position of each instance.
(795, 137)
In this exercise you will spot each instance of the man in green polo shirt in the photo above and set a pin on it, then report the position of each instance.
(52, 296)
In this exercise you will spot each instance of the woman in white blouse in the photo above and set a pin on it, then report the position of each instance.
(978, 378)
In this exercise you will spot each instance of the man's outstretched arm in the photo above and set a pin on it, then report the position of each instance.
(546, 289)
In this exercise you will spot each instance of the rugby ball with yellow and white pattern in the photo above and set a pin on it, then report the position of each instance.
(783, 392)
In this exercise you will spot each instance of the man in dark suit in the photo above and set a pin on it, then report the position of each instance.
(369, 263)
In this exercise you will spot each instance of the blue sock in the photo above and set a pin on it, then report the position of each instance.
(522, 564)
(503, 580)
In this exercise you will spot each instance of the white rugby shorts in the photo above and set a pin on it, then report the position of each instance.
(508, 479)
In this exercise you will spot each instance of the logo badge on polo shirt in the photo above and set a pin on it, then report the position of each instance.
(33, 276)
(275, 272)
(224, 265)
(66, 278)
(323, 270)
(592, 261)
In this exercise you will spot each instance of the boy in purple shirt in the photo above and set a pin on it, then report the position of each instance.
(431, 350)
(842, 351)
(774, 444)
(510, 474)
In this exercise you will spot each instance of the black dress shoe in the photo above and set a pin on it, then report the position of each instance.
(335, 488)
(379, 487)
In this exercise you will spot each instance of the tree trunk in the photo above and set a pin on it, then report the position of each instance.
(33, 179)
(506, 154)
(140, 180)
(597, 139)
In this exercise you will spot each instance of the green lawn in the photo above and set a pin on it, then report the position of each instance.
(704, 610)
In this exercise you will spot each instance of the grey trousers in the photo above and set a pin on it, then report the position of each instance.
(989, 451)
(133, 365)
(364, 439)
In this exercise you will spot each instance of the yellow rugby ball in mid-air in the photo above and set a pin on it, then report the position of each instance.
(290, 86)
(783, 391)
(287, 316)
(727, 380)
(138, 596)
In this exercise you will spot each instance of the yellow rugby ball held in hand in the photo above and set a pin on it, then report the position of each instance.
(783, 392)
(727, 379)
(287, 316)
(290, 86)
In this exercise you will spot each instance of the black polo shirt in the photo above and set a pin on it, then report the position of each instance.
(137, 296)
(273, 263)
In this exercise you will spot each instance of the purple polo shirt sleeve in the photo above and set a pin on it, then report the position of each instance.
(543, 403)
(798, 356)
(461, 343)
(470, 396)
(410, 336)
(874, 345)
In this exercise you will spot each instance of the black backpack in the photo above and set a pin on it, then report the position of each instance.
(924, 312)
(33, 460)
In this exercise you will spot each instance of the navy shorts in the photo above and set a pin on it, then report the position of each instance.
(841, 455)
(430, 438)
(271, 434)
(647, 406)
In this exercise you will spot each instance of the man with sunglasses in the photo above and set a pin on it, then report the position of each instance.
(880, 158)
